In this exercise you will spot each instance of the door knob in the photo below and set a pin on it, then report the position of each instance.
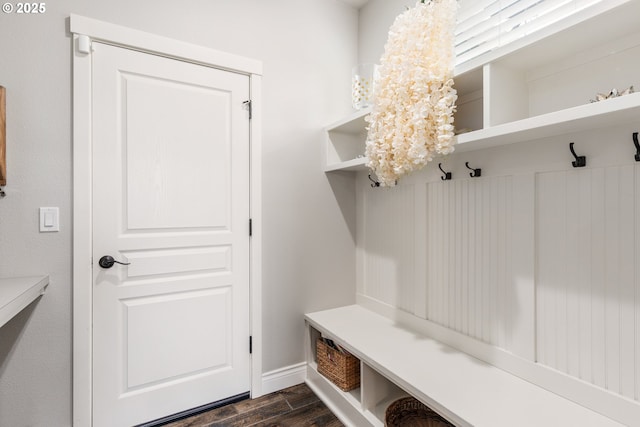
(107, 261)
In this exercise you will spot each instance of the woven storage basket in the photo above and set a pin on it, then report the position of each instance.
(342, 369)
(410, 412)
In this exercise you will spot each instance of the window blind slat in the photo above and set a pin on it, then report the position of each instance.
(521, 28)
(537, 11)
(479, 32)
(484, 25)
(466, 32)
(467, 9)
(492, 33)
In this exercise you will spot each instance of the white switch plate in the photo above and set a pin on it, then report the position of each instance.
(49, 219)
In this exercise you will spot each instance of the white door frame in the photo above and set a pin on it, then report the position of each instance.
(85, 30)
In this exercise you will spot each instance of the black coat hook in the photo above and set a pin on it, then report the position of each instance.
(447, 175)
(375, 183)
(635, 142)
(476, 172)
(581, 161)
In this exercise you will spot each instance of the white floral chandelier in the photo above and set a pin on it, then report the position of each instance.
(414, 101)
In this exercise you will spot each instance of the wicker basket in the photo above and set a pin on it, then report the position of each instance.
(341, 368)
(410, 412)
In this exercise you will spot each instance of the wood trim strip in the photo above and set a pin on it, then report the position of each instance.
(3, 137)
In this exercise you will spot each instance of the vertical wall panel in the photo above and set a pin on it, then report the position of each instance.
(521, 267)
(582, 269)
(479, 259)
(586, 291)
(637, 286)
(551, 277)
(468, 257)
(420, 300)
(472, 263)
(390, 243)
(625, 266)
(612, 302)
(598, 220)
(573, 267)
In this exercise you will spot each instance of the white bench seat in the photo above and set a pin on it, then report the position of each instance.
(463, 389)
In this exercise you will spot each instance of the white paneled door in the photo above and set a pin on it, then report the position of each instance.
(170, 199)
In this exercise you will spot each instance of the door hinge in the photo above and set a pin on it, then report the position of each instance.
(250, 344)
(84, 44)
(250, 227)
(248, 105)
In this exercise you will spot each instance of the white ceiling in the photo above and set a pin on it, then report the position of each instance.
(355, 3)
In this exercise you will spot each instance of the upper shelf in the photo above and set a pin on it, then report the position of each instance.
(353, 165)
(352, 124)
(344, 148)
(534, 88)
(610, 112)
(17, 293)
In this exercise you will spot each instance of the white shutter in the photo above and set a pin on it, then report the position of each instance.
(484, 25)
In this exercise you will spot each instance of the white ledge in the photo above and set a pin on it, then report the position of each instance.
(17, 293)
(611, 112)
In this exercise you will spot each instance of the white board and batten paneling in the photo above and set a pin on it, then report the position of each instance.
(533, 271)
(456, 253)
(587, 283)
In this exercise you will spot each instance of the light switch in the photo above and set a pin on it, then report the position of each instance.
(49, 219)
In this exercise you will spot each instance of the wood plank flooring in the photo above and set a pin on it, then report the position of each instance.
(296, 406)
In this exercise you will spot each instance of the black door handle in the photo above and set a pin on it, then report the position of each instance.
(107, 261)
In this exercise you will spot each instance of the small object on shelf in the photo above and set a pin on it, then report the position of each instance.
(409, 411)
(446, 176)
(362, 79)
(613, 93)
(580, 162)
(476, 172)
(336, 364)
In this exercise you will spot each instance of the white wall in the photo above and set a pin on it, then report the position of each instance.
(307, 47)
(375, 19)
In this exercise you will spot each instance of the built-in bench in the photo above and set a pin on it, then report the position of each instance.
(397, 361)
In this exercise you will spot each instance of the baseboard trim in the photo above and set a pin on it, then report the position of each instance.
(284, 377)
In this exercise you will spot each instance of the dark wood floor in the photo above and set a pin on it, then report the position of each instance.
(296, 406)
